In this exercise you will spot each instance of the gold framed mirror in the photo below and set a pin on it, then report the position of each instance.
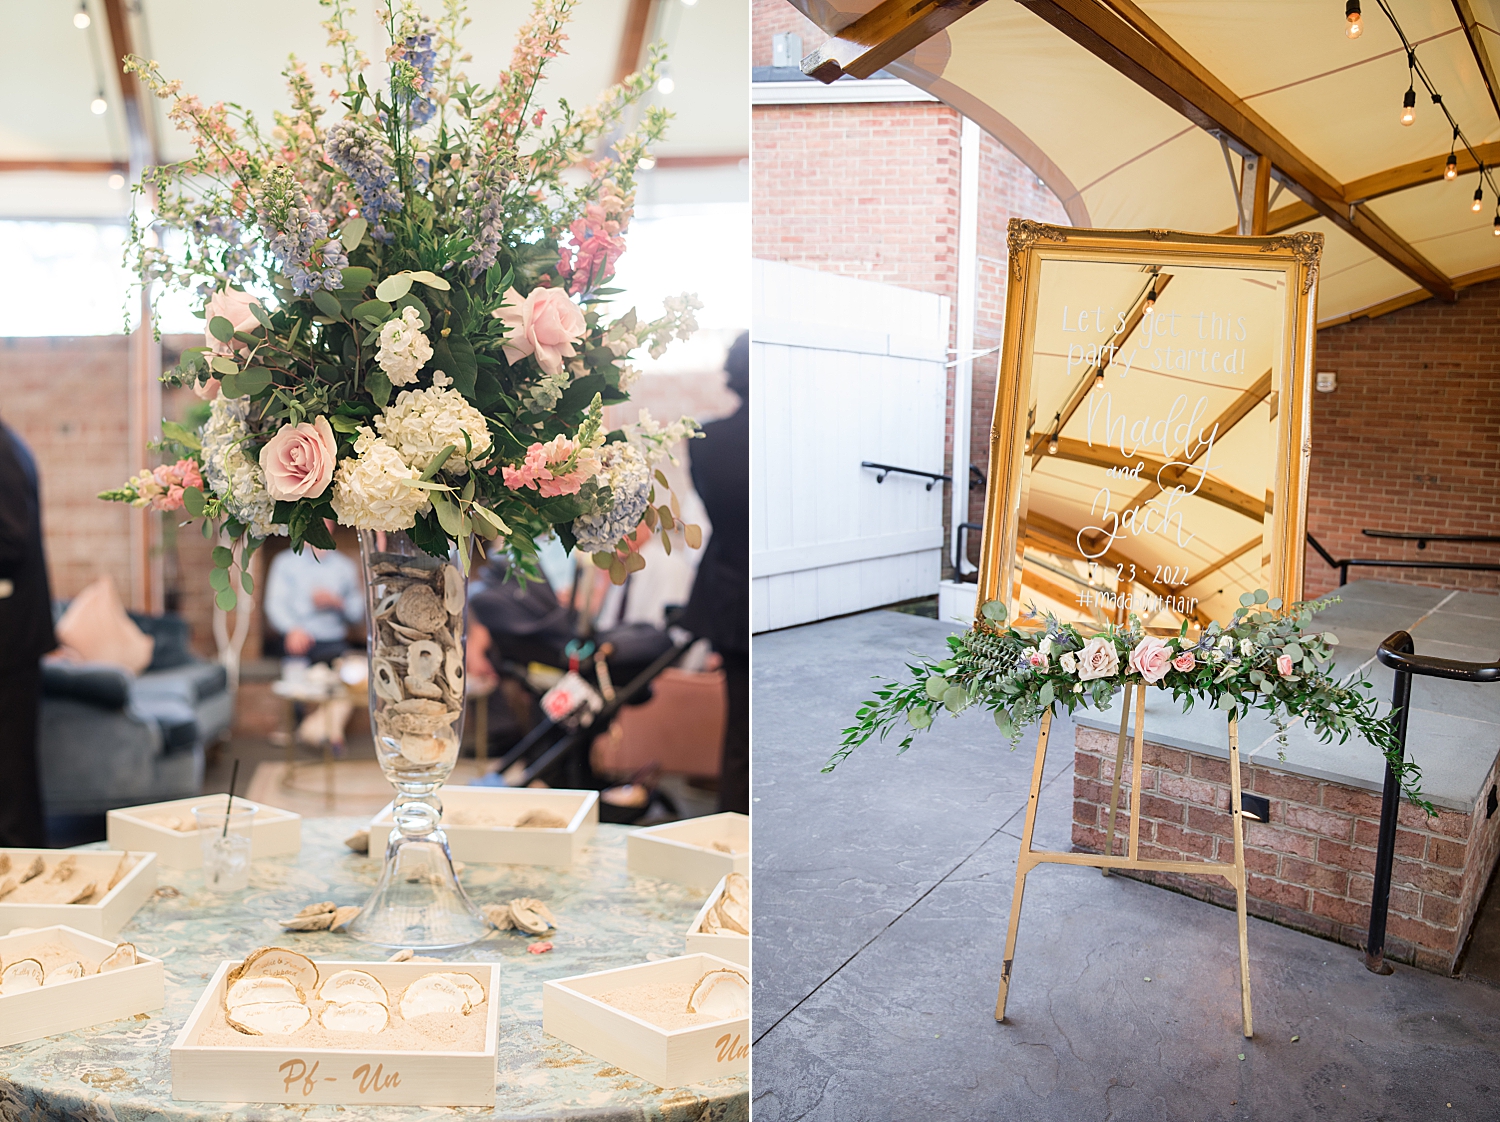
(1151, 432)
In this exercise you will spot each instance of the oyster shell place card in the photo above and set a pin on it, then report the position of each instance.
(279, 1027)
(170, 830)
(508, 825)
(697, 852)
(95, 891)
(722, 925)
(57, 979)
(678, 1021)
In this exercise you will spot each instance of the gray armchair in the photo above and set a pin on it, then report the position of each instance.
(107, 739)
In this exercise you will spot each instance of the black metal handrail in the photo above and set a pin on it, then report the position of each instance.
(1399, 653)
(886, 469)
(1423, 539)
(1345, 564)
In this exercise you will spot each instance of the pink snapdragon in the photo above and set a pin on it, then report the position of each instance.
(161, 487)
(537, 469)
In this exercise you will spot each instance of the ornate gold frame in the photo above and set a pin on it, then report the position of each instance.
(1297, 255)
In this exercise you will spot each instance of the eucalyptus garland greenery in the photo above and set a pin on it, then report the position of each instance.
(1265, 658)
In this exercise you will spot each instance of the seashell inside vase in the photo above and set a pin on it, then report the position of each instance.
(424, 659)
(420, 608)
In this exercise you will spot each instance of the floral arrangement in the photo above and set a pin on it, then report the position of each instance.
(1264, 658)
(431, 355)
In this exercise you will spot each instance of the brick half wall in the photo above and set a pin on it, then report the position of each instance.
(1311, 867)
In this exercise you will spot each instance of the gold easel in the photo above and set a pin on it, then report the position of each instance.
(1029, 858)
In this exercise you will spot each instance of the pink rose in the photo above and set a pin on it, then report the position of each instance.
(1185, 661)
(299, 461)
(207, 390)
(1284, 665)
(1151, 658)
(545, 324)
(235, 307)
(1098, 659)
(1036, 659)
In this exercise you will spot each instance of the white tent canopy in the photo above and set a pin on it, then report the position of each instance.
(1126, 111)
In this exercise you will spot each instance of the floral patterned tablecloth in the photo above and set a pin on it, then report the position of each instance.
(120, 1071)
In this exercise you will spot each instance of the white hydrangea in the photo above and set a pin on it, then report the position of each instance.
(367, 488)
(627, 475)
(403, 348)
(420, 423)
(231, 473)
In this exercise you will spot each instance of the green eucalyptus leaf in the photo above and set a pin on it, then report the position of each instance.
(262, 316)
(221, 329)
(181, 434)
(223, 556)
(253, 380)
(247, 582)
(372, 309)
(1262, 596)
(1246, 599)
(226, 600)
(919, 717)
(954, 699)
(447, 514)
(357, 277)
(192, 501)
(328, 304)
(394, 287)
(351, 233)
(431, 280)
(994, 611)
(379, 387)
(936, 686)
(221, 365)
(218, 579)
(229, 385)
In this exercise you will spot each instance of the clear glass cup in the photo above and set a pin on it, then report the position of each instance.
(226, 845)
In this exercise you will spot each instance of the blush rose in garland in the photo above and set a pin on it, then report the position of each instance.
(1265, 658)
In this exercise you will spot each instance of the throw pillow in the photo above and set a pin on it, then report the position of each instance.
(95, 628)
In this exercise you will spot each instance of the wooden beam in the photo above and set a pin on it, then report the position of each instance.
(722, 160)
(882, 35)
(1204, 574)
(1416, 296)
(1058, 537)
(1144, 53)
(1428, 170)
(137, 104)
(1283, 218)
(1258, 195)
(1466, 16)
(633, 38)
(1212, 490)
(1236, 412)
(80, 167)
(1039, 441)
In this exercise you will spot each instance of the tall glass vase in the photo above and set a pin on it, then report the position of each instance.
(416, 622)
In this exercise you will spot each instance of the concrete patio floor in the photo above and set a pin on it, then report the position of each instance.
(881, 897)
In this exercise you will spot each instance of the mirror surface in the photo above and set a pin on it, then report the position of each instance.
(1151, 439)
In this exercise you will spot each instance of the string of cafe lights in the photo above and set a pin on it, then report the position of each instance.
(1415, 72)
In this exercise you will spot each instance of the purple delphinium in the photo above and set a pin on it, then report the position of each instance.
(298, 235)
(362, 154)
(420, 53)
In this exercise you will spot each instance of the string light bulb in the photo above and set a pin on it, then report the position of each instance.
(1052, 443)
(1497, 223)
(1352, 15)
(1409, 106)
(1150, 297)
(81, 17)
(99, 105)
(1099, 380)
(1478, 198)
(1451, 170)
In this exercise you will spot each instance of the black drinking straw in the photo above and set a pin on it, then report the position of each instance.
(234, 776)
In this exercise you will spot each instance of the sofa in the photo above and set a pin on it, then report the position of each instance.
(109, 739)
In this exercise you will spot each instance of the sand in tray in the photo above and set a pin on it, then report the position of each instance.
(51, 956)
(42, 890)
(435, 1032)
(491, 818)
(662, 1004)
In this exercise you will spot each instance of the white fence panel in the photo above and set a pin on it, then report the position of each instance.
(843, 371)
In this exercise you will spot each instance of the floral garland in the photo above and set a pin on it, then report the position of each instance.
(1264, 658)
(405, 322)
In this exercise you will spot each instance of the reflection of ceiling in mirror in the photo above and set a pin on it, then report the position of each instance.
(1188, 398)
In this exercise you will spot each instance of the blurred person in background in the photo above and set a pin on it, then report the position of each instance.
(26, 626)
(312, 599)
(719, 609)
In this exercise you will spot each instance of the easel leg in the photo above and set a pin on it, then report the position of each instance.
(1114, 792)
(1023, 863)
(1237, 826)
(1135, 771)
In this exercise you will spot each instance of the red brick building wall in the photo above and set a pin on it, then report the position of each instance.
(872, 191)
(1410, 439)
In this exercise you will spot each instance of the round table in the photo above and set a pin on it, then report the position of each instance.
(607, 917)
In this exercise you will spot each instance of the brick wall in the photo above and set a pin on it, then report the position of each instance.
(1410, 440)
(1311, 866)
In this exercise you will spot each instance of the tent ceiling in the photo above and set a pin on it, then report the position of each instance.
(1119, 156)
(237, 53)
